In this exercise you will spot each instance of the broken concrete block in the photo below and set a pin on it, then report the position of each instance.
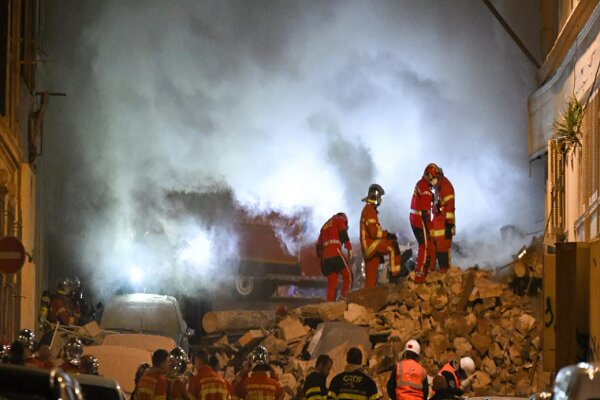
(329, 311)
(252, 336)
(292, 328)
(356, 314)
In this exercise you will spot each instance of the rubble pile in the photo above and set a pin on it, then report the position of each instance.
(461, 313)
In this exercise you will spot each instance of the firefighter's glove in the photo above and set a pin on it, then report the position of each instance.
(466, 384)
(392, 237)
(450, 230)
(319, 250)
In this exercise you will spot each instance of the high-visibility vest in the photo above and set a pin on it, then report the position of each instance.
(450, 368)
(409, 380)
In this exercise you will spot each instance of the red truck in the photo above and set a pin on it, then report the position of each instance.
(274, 250)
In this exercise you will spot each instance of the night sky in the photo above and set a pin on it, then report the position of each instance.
(287, 106)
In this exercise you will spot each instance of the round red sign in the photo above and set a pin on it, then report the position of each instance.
(12, 255)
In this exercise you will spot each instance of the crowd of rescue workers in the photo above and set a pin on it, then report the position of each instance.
(173, 376)
(432, 221)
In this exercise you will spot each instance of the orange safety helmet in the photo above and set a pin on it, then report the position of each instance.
(432, 171)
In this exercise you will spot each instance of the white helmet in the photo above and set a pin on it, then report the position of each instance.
(413, 345)
(468, 365)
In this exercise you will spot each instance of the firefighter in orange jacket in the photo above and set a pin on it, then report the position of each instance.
(153, 384)
(420, 217)
(408, 381)
(60, 310)
(375, 242)
(334, 234)
(207, 384)
(176, 382)
(443, 227)
(259, 385)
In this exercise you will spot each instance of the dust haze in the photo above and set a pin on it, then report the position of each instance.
(280, 106)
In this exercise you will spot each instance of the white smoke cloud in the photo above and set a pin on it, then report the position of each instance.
(292, 106)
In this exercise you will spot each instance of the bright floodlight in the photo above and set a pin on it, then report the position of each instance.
(135, 275)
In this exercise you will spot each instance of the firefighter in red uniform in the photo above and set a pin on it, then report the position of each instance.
(334, 234)
(259, 385)
(176, 383)
(443, 227)
(207, 384)
(153, 384)
(375, 242)
(60, 308)
(72, 352)
(408, 381)
(458, 376)
(420, 217)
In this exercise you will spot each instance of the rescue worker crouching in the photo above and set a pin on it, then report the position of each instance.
(261, 384)
(408, 380)
(206, 384)
(375, 242)
(333, 235)
(315, 385)
(458, 375)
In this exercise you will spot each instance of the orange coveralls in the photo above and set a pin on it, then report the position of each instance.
(333, 235)
(443, 226)
(258, 386)
(375, 244)
(208, 385)
(152, 386)
(420, 206)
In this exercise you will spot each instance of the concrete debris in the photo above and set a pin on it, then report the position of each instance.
(330, 311)
(254, 335)
(461, 313)
(331, 334)
(219, 321)
(356, 314)
(292, 328)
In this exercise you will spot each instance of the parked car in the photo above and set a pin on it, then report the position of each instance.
(146, 313)
(96, 387)
(17, 382)
(577, 382)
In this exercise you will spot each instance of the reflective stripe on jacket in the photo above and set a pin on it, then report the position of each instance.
(208, 385)
(422, 200)
(449, 368)
(370, 230)
(445, 198)
(409, 380)
(333, 235)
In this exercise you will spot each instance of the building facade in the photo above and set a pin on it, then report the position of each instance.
(564, 133)
(22, 109)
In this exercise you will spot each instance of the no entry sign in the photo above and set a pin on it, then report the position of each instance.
(12, 254)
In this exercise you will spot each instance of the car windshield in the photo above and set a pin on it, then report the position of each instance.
(145, 314)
